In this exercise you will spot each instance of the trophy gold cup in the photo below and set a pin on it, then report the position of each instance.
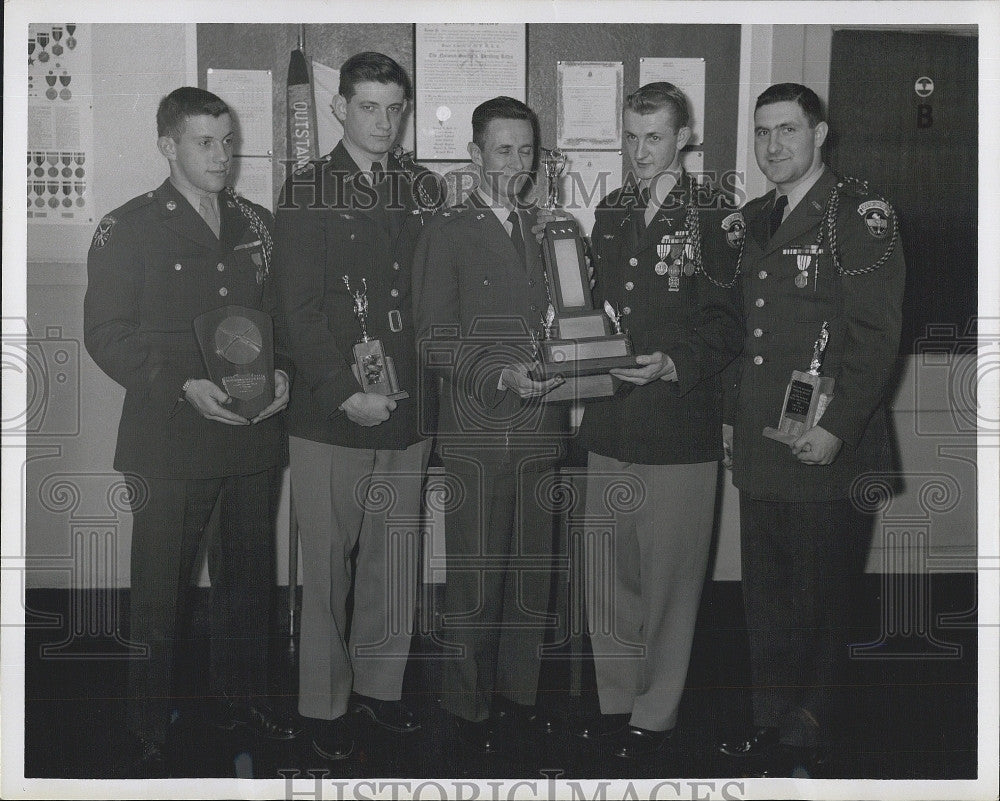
(375, 371)
(806, 398)
(577, 342)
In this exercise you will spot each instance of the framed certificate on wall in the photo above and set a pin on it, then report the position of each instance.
(458, 66)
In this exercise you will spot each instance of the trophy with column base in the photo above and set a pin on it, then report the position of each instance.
(375, 371)
(577, 342)
(806, 398)
(237, 346)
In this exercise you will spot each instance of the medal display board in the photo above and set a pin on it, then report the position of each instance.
(237, 345)
(578, 342)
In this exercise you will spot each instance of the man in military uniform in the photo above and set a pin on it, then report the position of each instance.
(346, 226)
(155, 264)
(663, 263)
(819, 251)
(479, 292)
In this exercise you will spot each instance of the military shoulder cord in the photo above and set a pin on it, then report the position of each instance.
(692, 223)
(248, 211)
(832, 204)
(405, 160)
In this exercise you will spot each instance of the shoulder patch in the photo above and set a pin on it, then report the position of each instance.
(735, 227)
(876, 216)
(103, 233)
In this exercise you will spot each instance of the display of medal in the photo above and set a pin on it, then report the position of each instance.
(577, 343)
(375, 371)
(237, 346)
(803, 261)
(676, 255)
(806, 398)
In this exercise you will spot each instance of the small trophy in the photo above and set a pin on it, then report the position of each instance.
(374, 370)
(577, 343)
(806, 398)
(237, 346)
(553, 162)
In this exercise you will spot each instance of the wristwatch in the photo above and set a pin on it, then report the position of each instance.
(184, 388)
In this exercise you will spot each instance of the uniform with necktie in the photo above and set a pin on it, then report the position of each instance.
(668, 271)
(346, 229)
(154, 265)
(479, 293)
(830, 259)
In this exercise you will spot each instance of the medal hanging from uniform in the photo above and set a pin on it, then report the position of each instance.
(803, 261)
(679, 249)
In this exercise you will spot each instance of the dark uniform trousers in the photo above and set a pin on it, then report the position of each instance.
(499, 540)
(476, 301)
(153, 267)
(167, 530)
(803, 540)
(654, 449)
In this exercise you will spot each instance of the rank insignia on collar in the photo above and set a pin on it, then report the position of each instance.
(735, 228)
(876, 215)
(445, 213)
(103, 233)
(609, 236)
(480, 216)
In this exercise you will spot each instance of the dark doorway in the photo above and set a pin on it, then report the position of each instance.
(916, 141)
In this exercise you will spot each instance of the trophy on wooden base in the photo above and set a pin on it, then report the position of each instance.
(375, 371)
(806, 398)
(237, 346)
(577, 342)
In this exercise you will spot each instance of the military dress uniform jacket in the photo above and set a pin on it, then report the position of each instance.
(476, 306)
(785, 308)
(332, 223)
(154, 265)
(698, 325)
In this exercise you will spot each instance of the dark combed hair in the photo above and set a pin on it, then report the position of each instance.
(188, 101)
(660, 95)
(806, 98)
(374, 68)
(500, 108)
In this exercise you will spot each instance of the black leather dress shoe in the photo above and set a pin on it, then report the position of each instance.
(333, 739)
(633, 742)
(258, 716)
(598, 728)
(391, 715)
(480, 735)
(758, 742)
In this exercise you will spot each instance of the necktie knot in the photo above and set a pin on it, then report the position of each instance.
(377, 172)
(644, 198)
(778, 213)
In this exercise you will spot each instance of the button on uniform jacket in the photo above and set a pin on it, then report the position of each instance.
(476, 306)
(330, 223)
(154, 265)
(783, 321)
(698, 326)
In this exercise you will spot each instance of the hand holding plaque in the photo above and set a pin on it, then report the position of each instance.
(806, 398)
(374, 370)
